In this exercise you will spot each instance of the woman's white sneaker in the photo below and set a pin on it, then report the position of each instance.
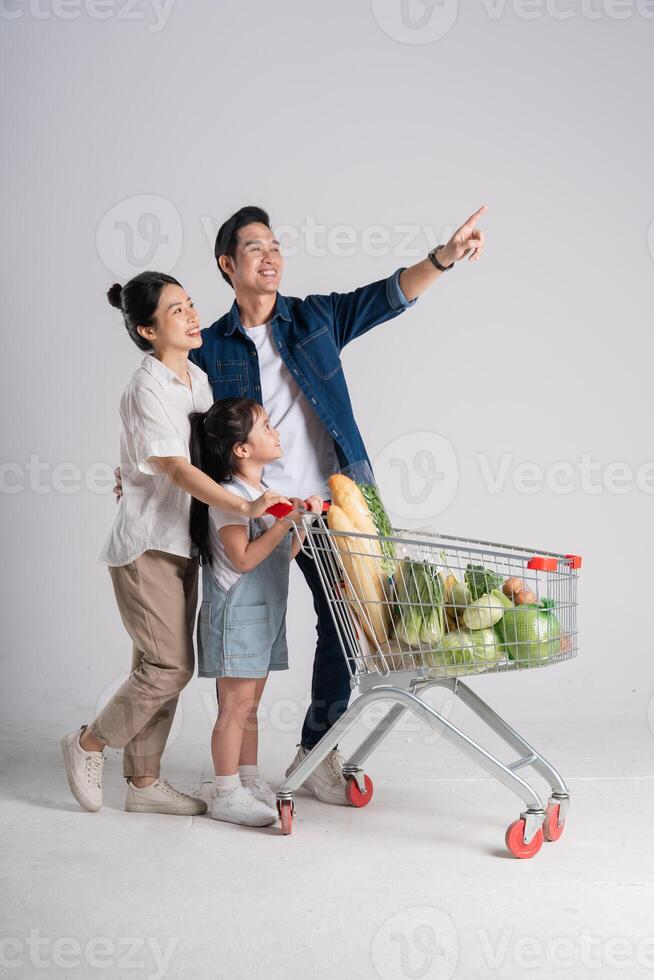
(84, 771)
(242, 807)
(326, 782)
(161, 797)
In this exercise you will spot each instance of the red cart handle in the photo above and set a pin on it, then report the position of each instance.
(547, 564)
(281, 510)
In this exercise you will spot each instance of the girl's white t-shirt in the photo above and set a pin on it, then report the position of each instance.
(309, 455)
(223, 571)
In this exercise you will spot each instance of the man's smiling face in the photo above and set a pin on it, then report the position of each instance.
(258, 264)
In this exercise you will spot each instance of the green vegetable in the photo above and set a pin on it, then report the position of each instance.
(407, 626)
(488, 649)
(418, 615)
(431, 629)
(484, 612)
(455, 649)
(504, 599)
(481, 580)
(382, 523)
(460, 595)
(531, 633)
(464, 652)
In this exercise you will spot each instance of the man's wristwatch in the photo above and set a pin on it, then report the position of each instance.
(434, 261)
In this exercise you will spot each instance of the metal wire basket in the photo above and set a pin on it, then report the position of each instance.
(444, 606)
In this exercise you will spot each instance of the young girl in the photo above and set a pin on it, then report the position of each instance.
(242, 626)
(151, 562)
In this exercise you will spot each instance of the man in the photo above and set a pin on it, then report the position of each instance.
(285, 353)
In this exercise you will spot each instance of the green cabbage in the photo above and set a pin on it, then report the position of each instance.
(484, 612)
(488, 649)
(456, 651)
(530, 633)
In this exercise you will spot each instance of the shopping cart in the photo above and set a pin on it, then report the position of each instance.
(419, 610)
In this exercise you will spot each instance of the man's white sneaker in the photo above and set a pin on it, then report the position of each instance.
(241, 806)
(326, 783)
(84, 771)
(263, 791)
(161, 797)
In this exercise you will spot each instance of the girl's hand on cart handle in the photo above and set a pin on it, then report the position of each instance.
(299, 509)
(284, 510)
(258, 507)
(314, 504)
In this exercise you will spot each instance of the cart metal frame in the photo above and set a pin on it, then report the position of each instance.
(404, 690)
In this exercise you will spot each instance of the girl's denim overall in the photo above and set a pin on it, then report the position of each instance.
(242, 633)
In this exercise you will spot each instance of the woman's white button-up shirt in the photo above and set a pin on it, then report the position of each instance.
(153, 513)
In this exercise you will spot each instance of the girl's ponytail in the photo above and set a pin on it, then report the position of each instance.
(214, 434)
(199, 511)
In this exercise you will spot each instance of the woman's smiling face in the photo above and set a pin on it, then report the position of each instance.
(176, 322)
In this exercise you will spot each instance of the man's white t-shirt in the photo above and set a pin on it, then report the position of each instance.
(309, 455)
(223, 571)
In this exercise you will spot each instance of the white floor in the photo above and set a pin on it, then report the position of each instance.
(417, 884)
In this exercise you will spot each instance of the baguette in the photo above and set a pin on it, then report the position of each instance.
(363, 568)
(347, 496)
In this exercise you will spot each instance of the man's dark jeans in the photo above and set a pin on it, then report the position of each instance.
(330, 682)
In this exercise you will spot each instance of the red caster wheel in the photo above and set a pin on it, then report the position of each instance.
(552, 830)
(514, 840)
(285, 810)
(354, 795)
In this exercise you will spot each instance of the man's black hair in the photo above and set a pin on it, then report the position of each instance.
(227, 236)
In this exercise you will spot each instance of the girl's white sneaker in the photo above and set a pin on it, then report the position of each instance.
(241, 806)
(263, 791)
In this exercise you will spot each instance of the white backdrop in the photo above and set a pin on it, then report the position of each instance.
(128, 140)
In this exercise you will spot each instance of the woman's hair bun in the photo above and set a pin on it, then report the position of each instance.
(114, 294)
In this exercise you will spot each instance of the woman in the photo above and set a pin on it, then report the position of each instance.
(149, 551)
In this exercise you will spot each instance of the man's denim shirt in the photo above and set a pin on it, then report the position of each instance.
(309, 335)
